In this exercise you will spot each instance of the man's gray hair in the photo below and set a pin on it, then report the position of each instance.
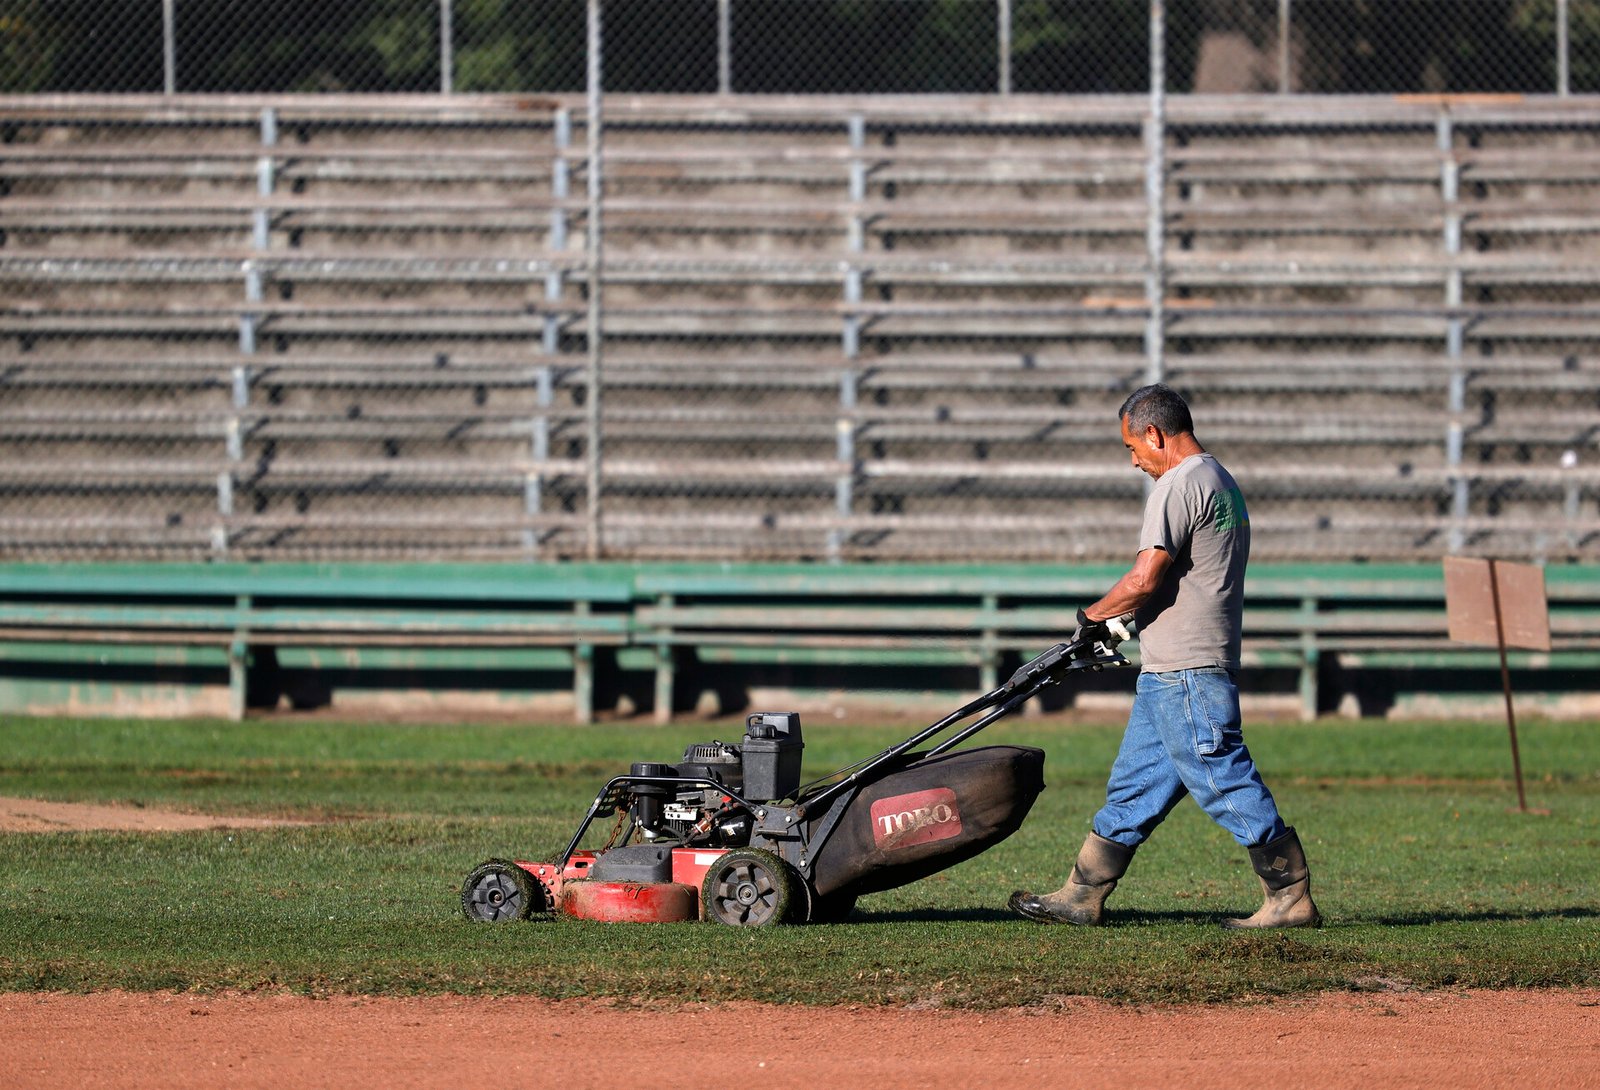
(1157, 404)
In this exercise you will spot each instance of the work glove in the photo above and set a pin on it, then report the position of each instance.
(1119, 629)
(1108, 633)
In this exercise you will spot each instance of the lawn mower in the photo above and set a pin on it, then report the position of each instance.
(729, 834)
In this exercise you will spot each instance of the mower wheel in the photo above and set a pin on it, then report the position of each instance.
(748, 887)
(498, 891)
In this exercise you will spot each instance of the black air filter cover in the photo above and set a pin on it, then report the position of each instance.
(717, 761)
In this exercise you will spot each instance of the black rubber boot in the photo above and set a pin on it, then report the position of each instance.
(1286, 880)
(1100, 863)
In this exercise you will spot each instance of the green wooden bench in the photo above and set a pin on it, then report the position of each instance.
(662, 618)
(1382, 616)
(1393, 617)
(889, 615)
(248, 609)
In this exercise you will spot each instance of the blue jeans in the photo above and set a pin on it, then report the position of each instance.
(1184, 738)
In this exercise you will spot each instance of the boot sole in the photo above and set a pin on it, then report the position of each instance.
(1040, 914)
(1241, 925)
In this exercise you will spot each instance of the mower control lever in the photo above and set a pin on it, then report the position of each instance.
(1048, 668)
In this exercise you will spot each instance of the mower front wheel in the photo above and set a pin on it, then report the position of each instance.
(498, 891)
(748, 887)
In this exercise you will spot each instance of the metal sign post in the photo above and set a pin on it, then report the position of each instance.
(1502, 605)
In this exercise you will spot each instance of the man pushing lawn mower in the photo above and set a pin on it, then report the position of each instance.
(731, 835)
(1185, 595)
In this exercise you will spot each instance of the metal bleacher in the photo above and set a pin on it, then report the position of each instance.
(892, 328)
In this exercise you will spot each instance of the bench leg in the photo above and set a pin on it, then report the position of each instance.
(583, 683)
(238, 679)
(666, 678)
(989, 670)
(989, 654)
(1310, 660)
(1308, 684)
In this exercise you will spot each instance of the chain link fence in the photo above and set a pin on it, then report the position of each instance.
(803, 46)
(812, 279)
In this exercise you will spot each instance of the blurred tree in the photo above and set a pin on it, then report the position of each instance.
(1071, 47)
(308, 45)
(512, 45)
(656, 46)
(782, 46)
(27, 47)
(864, 46)
(80, 45)
(1411, 46)
(1535, 21)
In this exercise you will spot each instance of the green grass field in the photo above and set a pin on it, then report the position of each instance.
(1424, 874)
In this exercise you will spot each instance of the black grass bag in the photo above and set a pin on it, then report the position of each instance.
(928, 815)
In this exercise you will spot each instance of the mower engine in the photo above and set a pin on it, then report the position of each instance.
(764, 768)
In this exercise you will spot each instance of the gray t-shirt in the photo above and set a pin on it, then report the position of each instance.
(1197, 514)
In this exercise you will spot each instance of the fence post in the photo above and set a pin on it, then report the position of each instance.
(1003, 18)
(1283, 46)
(1563, 48)
(1155, 187)
(596, 254)
(169, 47)
(447, 47)
(1455, 332)
(724, 47)
(850, 341)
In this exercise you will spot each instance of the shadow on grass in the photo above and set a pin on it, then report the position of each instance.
(1001, 915)
(1138, 918)
(931, 915)
(1418, 919)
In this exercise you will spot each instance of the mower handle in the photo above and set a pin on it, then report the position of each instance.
(1054, 664)
(1037, 674)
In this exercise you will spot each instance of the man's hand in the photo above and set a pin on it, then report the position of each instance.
(1109, 632)
(1089, 631)
(1119, 628)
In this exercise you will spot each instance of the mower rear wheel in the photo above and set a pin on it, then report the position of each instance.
(748, 887)
(498, 891)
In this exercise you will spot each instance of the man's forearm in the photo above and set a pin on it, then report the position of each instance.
(1127, 596)
(1134, 588)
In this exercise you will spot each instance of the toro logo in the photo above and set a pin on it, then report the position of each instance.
(918, 818)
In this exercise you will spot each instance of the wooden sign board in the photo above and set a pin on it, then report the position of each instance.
(1485, 598)
(1502, 605)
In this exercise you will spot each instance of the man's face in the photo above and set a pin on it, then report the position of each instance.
(1146, 449)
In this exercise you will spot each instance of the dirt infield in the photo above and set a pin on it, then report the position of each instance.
(37, 816)
(1478, 1039)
